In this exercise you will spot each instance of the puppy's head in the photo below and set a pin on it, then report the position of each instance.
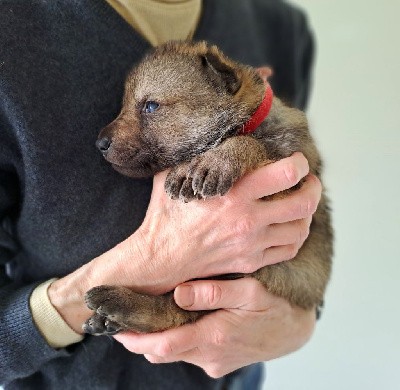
(180, 100)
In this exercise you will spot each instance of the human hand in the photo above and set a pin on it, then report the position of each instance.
(236, 233)
(252, 326)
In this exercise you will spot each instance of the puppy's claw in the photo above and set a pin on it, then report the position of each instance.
(112, 327)
(99, 325)
(186, 192)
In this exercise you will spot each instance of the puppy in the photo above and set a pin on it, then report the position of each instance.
(210, 120)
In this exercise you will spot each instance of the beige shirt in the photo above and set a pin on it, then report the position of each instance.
(157, 21)
(160, 20)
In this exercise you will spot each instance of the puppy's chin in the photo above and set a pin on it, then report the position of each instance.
(134, 172)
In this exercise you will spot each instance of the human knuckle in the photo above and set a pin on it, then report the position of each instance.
(311, 206)
(306, 207)
(164, 349)
(303, 230)
(248, 268)
(292, 251)
(229, 200)
(219, 338)
(314, 181)
(244, 226)
(214, 294)
(215, 370)
(292, 174)
(253, 290)
(153, 359)
(243, 266)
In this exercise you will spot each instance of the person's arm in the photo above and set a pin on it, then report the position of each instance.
(253, 325)
(178, 242)
(222, 235)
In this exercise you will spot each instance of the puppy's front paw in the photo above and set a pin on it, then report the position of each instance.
(178, 183)
(204, 176)
(211, 175)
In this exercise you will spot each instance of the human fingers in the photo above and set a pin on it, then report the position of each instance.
(226, 340)
(163, 344)
(189, 356)
(293, 232)
(278, 228)
(272, 178)
(299, 204)
(158, 192)
(245, 293)
(235, 338)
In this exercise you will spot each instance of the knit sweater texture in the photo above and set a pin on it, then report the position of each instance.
(157, 21)
(62, 70)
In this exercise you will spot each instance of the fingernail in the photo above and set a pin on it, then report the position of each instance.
(184, 296)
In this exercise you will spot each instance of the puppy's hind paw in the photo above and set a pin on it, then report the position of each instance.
(99, 325)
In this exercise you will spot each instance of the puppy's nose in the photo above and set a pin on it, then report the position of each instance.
(103, 144)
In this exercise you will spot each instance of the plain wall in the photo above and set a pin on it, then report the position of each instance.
(354, 115)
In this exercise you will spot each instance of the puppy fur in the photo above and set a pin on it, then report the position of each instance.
(199, 100)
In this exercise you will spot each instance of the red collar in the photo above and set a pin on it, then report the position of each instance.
(260, 114)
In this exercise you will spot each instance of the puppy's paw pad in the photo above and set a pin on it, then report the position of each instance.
(100, 325)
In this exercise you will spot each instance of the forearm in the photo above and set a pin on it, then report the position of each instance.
(127, 264)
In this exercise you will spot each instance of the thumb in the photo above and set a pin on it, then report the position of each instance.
(158, 194)
(158, 181)
(245, 293)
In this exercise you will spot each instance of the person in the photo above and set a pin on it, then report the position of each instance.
(69, 222)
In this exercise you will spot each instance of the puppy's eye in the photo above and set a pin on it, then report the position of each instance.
(150, 106)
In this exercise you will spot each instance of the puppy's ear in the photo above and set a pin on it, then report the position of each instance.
(265, 72)
(221, 73)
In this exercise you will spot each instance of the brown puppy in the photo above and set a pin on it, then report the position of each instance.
(188, 107)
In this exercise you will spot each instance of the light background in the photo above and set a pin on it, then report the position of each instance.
(355, 116)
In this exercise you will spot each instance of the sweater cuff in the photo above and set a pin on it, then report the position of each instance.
(49, 322)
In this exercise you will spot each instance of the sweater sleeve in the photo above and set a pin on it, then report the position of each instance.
(51, 325)
(23, 350)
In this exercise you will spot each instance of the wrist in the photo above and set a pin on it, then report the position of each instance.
(139, 264)
(128, 264)
(67, 294)
(47, 319)
(67, 297)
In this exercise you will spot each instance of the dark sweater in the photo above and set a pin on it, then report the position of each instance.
(62, 69)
